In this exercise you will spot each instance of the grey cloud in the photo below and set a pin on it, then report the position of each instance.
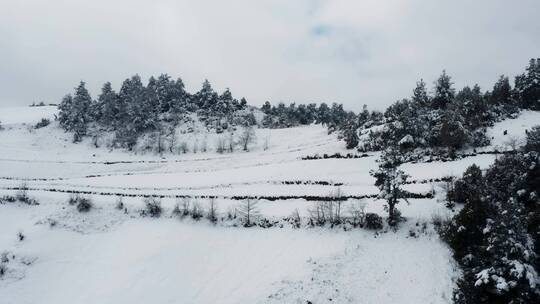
(348, 51)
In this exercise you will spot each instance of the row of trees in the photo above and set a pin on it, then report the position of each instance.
(496, 236)
(442, 118)
(137, 109)
(283, 116)
(446, 118)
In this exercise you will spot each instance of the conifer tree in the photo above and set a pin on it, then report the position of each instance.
(390, 179)
(75, 112)
(444, 93)
(108, 105)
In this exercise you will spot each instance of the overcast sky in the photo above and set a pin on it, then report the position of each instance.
(354, 52)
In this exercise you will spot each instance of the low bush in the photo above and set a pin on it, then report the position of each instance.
(153, 207)
(42, 123)
(3, 270)
(196, 211)
(373, 221)
(8, 199)
(23, 197)
(119, 203)
(84, 204)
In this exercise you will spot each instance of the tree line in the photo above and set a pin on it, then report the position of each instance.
(137, 109)
(445, 118)
(440, 118)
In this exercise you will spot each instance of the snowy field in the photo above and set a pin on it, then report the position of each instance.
(110, 256)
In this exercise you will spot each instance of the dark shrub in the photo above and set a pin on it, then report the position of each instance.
(73, 199)
(196, 211)
(466, 188)
(153, 207)
(373, 221)
(42, 123)
(84, 204)
(119, 203)
(176, 212)
(8, 199)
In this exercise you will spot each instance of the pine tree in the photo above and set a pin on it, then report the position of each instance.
(390, 179)
(502, 91)
(452, 133)
(108, 105)
(444, 92)
(325, 116)
(493, 236)
(420, 95)
(75, 112)
(206, 98)
(266, 107)
(527, 86)
(351, 136)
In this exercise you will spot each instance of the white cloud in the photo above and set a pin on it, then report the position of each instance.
(353, 52)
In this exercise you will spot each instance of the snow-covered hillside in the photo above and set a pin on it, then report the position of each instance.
(114, 256)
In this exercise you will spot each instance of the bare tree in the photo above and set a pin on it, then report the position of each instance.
(172, 139)
(212, 210)
(297, 220)
(196, 210)
(337, 197)
(204, 145)
(186, 206)
(231, 142)
(317, 213)
(96, 135)
(220, 145)
(357, 211)
(183, 147)
(159, 142)
(266, 142)
(249, 212)
(513, 143)
(195, 146)
(247, 137)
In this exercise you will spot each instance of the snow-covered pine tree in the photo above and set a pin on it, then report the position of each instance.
(75, 112)
(350, 134)
(108, 106)
(206, 98)
(495, 236)
(527, 86)
(452, 133)
(420, 94)
(444, 93)
(390, 179)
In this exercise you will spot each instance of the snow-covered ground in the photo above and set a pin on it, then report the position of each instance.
(108, 256)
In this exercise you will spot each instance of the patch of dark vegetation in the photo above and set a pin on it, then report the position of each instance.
(335, 155)
(234, 197)
(443, 119)
(373, 221)
(20, 196)
(42, 123)
(82, 203)
(299, 182)
(152, 207)
(496, 235)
